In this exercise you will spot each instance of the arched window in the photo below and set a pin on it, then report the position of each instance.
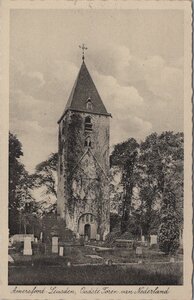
(88, 124)
(89, 105)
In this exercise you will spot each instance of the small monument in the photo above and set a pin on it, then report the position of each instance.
(97, 237)
(60, 251)
(139, 251)
(153, 239)
(55, 244)
(27, 246)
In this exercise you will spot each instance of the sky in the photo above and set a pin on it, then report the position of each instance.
(135, 58)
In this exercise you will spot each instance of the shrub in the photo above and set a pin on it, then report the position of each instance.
(19, 246)
(111, 237)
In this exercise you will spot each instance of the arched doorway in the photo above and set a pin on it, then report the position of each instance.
(87, 225)
(87, 231)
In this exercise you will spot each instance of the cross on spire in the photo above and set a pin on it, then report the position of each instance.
(83, 47)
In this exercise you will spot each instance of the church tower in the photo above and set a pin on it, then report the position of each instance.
(83, 168)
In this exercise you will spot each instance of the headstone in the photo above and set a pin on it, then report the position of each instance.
(139, 251)
(54, 244)
(27, 246)
(60, 251)
(172, 259)
(97, 237)
(153, 239)
(143, 239)
(77, 235)
(41, 236)
(86, 238)
(36, 240)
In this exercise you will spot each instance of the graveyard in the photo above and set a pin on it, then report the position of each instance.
(98, 217)
(92, 262)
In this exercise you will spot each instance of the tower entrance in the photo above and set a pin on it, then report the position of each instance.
(87, 226)
(87, 231)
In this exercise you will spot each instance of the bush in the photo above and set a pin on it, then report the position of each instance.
(111, 237)
(19, 246)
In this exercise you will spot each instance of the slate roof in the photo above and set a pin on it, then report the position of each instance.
(84, 89)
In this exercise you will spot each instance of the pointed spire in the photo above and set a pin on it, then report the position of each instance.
(84, 96)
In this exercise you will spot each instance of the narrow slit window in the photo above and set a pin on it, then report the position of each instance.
(87, 218)
(88, 142)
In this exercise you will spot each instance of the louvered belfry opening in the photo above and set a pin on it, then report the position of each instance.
(88, 124)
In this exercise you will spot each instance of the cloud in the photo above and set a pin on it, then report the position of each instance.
(37, 141)
(30, 81)
(123, 102)
(132, 126)
(163, 80)
(142, 94)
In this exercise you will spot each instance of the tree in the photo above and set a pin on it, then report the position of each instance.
(169, 231)
(125, 156)
(45, 175)
(161, 160)
(20, 185)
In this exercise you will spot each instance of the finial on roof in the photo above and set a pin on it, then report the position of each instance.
(83, 47)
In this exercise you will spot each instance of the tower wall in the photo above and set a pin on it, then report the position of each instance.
(83, 170)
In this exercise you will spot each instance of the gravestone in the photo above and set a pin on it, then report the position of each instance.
(41, 236)
(139, 251)
(54, 244)
(143, 239)
(153, 239)
(60, 251)
(27, 246)
(97, 237)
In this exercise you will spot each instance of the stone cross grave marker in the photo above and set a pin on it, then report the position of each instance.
(54, 244)
(27, 246)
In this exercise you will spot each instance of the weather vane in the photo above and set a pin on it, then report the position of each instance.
(83, 47)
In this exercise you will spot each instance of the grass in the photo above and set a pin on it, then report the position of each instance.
(78, 255)
(160, 274)
(52, 269)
